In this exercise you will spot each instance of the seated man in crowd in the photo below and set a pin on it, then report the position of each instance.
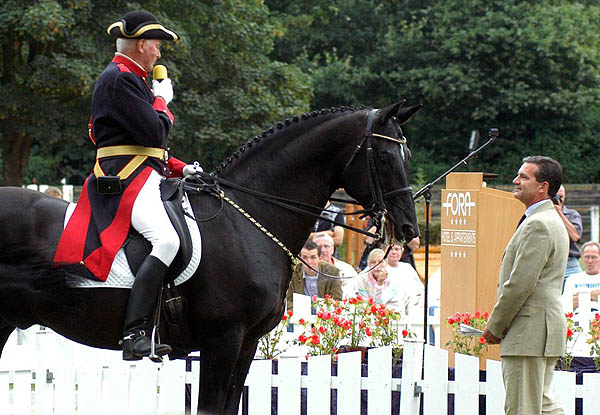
(411, 283)
(588, 280)
(379, 285)
(306, 280)
(347, 271)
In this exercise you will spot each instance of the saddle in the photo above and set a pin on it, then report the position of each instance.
(137, 248)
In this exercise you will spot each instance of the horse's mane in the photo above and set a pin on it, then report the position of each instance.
(280, 126)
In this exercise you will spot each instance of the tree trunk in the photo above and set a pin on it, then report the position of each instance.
(16, 148)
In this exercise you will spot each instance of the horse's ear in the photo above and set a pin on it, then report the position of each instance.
(394, 110)
(406, 114)
(389, 111)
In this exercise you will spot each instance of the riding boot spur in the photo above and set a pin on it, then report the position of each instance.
(140, 309)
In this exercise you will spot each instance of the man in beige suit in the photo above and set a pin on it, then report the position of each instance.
(527, 319)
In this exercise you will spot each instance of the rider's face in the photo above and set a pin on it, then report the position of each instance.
(150, 52)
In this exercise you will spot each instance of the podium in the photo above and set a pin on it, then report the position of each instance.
(477, 223)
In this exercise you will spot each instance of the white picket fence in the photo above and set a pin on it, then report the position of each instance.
(88, 381)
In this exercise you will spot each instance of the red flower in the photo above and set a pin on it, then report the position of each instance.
(404, 333)
(301, 321)
(302, 338)
(322, 329)
(314, 298)
(359, 297)
(450, 320)
(482, 340)
(327, 296)
(569, 333)
(368, 331)
(315, 339)
(284, 318)
(290, 313)
(371, 301)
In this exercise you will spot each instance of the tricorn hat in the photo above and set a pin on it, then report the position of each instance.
(140, 24)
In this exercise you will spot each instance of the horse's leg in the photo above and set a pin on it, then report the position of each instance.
(238, 378)
(218, 357)
(5, 332)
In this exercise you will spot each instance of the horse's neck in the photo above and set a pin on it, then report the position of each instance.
(299, 162)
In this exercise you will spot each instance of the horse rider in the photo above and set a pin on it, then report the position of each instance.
(129, 125)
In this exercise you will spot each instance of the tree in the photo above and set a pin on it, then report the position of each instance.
(527, 68)
(226, 86)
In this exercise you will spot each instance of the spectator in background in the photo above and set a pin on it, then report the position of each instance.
(371, 243)
(306, 280)
(336, 232)
(379, 285)
(54, 191)
(572, 220)
(347, 271)
(588, 280)
(412, 285)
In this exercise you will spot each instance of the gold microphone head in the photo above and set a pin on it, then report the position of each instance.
(159, 72)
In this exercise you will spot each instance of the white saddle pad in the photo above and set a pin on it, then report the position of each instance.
(120, 275)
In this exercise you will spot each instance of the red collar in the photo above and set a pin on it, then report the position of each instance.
(131, 66)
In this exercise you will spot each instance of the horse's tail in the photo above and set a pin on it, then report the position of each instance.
(29, 283)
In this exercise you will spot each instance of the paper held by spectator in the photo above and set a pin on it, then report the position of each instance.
(467, 330)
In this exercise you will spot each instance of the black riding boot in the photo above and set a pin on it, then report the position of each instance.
(140, 310)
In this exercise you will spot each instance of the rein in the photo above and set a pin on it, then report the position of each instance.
(209, 183)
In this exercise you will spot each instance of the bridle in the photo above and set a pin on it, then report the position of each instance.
(209, 182)
(378, 208)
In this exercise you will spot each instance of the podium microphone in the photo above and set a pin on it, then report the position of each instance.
(159, 72)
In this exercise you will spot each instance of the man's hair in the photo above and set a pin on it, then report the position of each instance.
(126, 45)
(549, 170)
(322, 235)
(310, 245)
(53, 191)
(590, 243)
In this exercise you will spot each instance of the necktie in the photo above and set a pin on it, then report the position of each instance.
(521, 220)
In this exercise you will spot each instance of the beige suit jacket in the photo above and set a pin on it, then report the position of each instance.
(528, 314)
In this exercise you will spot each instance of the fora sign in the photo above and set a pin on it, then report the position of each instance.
(458, 204)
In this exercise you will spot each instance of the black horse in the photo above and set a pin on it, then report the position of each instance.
(238, 291)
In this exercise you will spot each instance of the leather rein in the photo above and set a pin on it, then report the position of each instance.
(209, 182)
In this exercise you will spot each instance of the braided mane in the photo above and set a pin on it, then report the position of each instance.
(279, 126)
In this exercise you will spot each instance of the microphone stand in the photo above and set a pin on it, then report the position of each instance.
(425, 191)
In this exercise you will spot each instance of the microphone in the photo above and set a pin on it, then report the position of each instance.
(159, 73)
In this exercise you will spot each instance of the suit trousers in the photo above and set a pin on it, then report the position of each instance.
(527, 382)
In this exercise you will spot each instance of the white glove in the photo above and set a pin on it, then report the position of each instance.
(164, 89)
(192, 169)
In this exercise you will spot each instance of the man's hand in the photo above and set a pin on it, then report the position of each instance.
(490, 338)
(164, 89)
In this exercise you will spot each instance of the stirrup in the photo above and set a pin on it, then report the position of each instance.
(155, 337)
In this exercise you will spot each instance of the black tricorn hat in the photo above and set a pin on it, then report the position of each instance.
(140, 24)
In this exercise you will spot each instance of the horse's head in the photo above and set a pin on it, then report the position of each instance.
(376, 174)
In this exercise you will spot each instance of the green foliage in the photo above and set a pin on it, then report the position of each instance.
(527, 68)
(226, 86)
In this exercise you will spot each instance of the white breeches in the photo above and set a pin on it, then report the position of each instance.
(150, 219)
